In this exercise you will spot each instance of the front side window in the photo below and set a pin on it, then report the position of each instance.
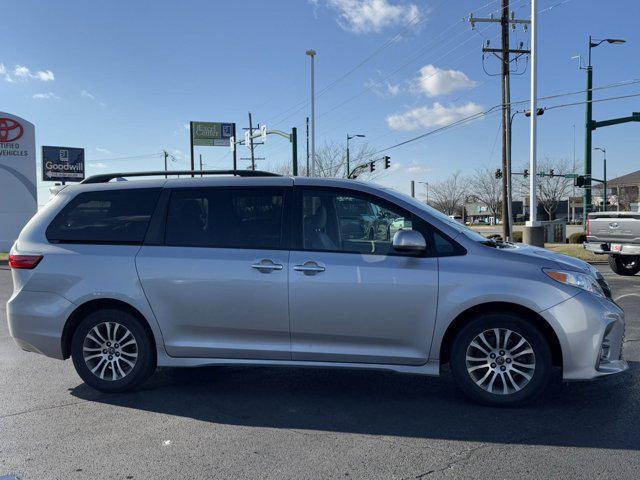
(108, 216)
(226, 218)
(345, 222)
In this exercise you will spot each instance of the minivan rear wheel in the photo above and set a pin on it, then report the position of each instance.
(501, 359)
(112, 351)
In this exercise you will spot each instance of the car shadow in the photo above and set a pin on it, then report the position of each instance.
(600, 414)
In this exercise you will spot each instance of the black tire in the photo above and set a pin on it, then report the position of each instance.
(540, 375)
(144, 364)
(625, 264)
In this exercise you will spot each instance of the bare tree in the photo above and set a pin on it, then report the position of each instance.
(449, 194)
(551, 189)
(331, 162)
(487, 189)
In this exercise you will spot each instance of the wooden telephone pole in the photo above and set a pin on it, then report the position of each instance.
(503, 53)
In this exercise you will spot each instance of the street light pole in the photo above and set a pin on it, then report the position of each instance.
(604, 196)
(348, 165)
(350, 137)
(312, 54)
(589, 127)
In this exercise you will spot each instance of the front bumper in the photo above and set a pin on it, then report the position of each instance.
(605, 248)
(36, 321)
(590, 330)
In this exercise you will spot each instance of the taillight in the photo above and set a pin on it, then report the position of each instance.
(587, 226)
(27, 262)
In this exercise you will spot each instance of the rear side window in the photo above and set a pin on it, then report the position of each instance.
(226, 218)
(109, 217)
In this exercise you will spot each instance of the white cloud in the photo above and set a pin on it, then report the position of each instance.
(434, 81)
(4, 73)
(45, 96)
(90, 96)
(103, 150)
(44, 75)
(384, 89)
(24, 73)
(430, 116)
(415, 168)
(21, 72)
(366, 16)
(98, 165)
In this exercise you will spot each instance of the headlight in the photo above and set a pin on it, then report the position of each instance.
(575, 279)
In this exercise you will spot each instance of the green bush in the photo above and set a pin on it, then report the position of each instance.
(578, 237)
(516, 237)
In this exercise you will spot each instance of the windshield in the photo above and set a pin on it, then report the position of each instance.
(456, 225)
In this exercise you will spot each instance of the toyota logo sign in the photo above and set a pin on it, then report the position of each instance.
(10, 130)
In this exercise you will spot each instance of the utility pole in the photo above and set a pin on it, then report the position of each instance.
(166, 154)
(201, 165)
(252, 143)
(191, 143)
(312, 54)
(235, 149)
(413, 188)
(506, 21)
(294, 150)
(253, 160)
(308, 172)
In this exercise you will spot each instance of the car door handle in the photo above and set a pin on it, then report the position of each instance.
(267, 266)
(309, 268)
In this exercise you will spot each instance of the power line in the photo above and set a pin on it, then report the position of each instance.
(302, 104)
(148, 155)
(488, 111)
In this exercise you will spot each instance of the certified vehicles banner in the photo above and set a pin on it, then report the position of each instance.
(18, 192)
(64, 164)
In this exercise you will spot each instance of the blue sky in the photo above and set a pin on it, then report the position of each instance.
(122, 79)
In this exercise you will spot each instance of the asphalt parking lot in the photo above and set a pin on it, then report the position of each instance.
(229, 422)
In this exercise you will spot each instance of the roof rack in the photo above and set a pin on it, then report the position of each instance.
(106, 177)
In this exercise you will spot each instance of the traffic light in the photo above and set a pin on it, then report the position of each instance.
(580, 181)
(551, 172)
(498, 173)
(525, 173)
(387, 162)
(372, 167)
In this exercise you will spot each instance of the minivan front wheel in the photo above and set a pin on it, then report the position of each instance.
(501, 359)
(111, 351)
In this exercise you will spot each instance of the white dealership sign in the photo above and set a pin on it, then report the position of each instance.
(18, 192)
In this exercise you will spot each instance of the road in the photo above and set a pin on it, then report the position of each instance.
(271, 423)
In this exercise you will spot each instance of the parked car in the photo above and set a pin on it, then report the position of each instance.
(255, 269)
(616, 234)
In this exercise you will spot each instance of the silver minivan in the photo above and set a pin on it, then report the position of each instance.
(257, 269)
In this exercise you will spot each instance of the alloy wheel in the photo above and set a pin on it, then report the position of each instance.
(110, 351)
(500, 361)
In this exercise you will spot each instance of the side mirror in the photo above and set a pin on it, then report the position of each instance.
(409, 241)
